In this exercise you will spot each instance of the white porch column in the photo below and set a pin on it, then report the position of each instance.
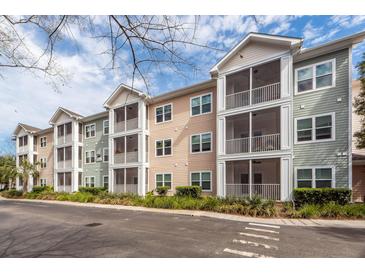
(220, 178)
(141, 180)
(250, 131)
(286, 183)
(31, 160)
(221, 135)
(285, 76)
(75, 156)
(221, 98)
(111, 151)
(55, 157)
(285, 127)
(250, 177)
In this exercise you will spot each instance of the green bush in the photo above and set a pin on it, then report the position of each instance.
(190, 191)
(39, 189)
(92, 190)
(162, 190)
(321, 196)
(12, 193)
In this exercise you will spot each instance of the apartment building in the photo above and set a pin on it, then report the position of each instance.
(273, 116)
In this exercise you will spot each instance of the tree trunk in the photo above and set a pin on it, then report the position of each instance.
(25, 186)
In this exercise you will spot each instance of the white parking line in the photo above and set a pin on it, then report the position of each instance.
(245, 253)
(259, 236)
(263, 230)
(255, 244)
(265, 225)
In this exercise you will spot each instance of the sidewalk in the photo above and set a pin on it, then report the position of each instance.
(222, 216)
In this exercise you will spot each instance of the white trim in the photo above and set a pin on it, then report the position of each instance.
(191, 143)
(349, 153)
(163, 179)
(200, 179)
(44, 180)
(43, 162)
(89, 177)
(86, 151)
(107, 120)
(105, 148)
(201, 96)
(313, 66)
(163, 148)
(313, 168)
(89, 125)
(163, 113)
(313, 129)
(103, 182)
(45, 141)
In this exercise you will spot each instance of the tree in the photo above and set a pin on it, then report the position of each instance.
(359, 105)
(8, 171)
(25, 170)
(149, 41)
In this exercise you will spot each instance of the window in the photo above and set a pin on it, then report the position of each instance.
(164, 179)
(89, 181)
(43, 141)
(163, 147)
(202, 178)
(315, 128)
(316, 76)
(43, 182)
(23, 141)
(106, 181)
(201, 142)
(105, 154)
(90, 157)
(90, 131)
(164, 113)
(43, 162)
(315, 177)
(201, 104)
(105, 127)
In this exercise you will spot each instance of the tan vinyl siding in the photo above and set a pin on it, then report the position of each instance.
(182, 126)
(252, 53)
(46, 152)
(321, 102)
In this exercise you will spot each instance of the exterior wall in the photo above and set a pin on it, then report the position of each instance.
(356, 120)
(335, 153)
(358, 183)
(252, 53)
(97, 143)
(182, 126)
(46, 152)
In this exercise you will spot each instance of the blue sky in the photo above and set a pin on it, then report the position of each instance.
(29, 98)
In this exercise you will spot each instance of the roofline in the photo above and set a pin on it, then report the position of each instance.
(183, 91)
(247, 37)
(95, 116)
(46, 130)
(132, 89)
(77, 117)
(344, 42)
(22, 126)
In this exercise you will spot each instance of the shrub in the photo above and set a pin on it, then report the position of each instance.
(190, 191)
(92, 190)
(308, 211)
(39, 189)
(321, 196)
(162, 190)
(12, 193)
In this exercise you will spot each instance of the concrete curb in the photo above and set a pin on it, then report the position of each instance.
(222, 216)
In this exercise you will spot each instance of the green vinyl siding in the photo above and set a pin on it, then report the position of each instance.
(97, 143)
(322, 102)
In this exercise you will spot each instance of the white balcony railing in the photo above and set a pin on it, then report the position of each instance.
(132, 188)
(237, 190)
(60, 164)
(119, 158)
(258, 95)
(64, 164)
(64, 139)
(23, 149)
(131, 124)
(119, 126)
(132, 157)
(126, 188)
(240, 145)
(266, 191)
(266, 142)
(269, 142)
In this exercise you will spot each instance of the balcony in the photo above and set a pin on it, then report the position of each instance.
(64, 158)
(264, 180)
(126, 118)
(126, 180)
(265, 132)
(265, 86)
(126, 149)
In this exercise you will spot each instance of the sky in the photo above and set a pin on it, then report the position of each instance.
(29, 97)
